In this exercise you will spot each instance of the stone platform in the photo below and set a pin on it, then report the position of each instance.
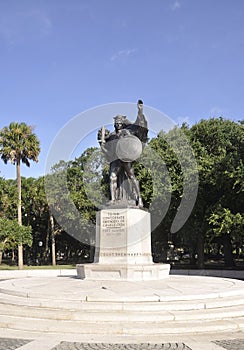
(123, 248)
(52, 309)
(123, 272)
(67, 305)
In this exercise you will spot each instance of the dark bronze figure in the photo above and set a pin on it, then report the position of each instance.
(122, 147)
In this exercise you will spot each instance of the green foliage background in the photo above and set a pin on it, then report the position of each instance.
(216, 221)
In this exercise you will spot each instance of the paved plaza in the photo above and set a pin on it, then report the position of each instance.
(22, 344)
(102, 346)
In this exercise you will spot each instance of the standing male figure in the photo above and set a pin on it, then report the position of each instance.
(121, 148)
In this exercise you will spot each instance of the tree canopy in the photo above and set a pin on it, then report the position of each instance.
(191, 181)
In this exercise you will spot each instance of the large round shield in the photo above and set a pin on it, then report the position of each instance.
(128, 148)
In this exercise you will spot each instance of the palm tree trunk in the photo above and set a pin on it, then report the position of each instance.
(20, 246)
(53, 240)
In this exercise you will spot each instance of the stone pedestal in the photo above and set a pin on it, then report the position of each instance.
(123, 248)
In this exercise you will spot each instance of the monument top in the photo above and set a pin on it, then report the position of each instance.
(121, 148)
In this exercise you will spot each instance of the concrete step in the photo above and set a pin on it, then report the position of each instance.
(195, 304)
(69, 306)
(111, 314)
(118, 327)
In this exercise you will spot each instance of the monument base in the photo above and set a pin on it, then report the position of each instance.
(140, 272)
(123, 248)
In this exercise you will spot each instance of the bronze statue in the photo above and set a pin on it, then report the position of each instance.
(122, 147)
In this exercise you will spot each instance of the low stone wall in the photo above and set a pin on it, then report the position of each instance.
(5, 274)
(238, 274)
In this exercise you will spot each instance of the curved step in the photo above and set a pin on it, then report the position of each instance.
(48, 305)
(130, 316)
(76, 304)
(117, 327)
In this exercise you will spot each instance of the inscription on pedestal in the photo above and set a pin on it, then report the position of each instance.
(125, 254)
(123, 248)
(113, 229)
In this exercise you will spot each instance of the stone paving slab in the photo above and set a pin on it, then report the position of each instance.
(106, 346)
(12, 344)
(232, 344)
(199, 343)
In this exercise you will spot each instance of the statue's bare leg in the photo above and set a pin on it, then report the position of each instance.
(130, 173)
(113, 186)
(137, 189)
(114, 169)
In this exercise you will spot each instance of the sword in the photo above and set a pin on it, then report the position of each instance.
(103, 135)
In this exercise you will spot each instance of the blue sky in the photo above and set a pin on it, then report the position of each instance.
(61, 57)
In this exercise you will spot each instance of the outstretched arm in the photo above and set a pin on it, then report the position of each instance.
(141, 119)
(101, 136)
(140, 125)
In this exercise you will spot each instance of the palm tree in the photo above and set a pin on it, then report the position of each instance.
(19, 144)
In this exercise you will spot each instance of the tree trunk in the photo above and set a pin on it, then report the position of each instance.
(228, 255)
(1, 256)
(20, 246)
(53, 248)
(200, 251)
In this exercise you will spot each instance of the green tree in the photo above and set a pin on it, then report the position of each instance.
(12, 234)
(8, 195)
(179, 185)
(218, 147)
(19, 144)
(73, 190)
(35, 212)
(227, 228)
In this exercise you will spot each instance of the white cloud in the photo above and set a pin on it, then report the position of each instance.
(121, 54)
(176, 5)
(180, 120)
(16, 27)
(217, 112)
(45, 23)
